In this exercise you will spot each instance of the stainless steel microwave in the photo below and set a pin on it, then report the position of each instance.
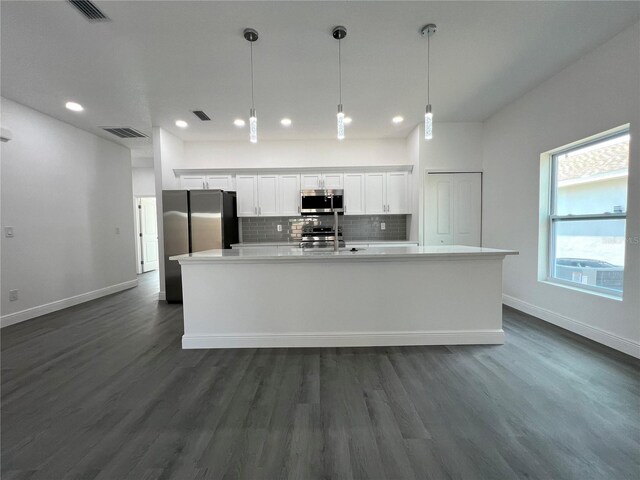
(321, 202)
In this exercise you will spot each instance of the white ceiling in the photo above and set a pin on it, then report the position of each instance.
(156, 61)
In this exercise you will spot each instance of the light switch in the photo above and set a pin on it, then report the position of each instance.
(8, 232)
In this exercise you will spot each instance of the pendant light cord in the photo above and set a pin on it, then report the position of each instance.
(340, 67)
(428, 67)
(252, 102)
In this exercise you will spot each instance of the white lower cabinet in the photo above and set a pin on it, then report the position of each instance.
(354, 194)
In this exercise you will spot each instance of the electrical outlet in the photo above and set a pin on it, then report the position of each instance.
(383, 226)
(117, 230)
(13, 295)
(8, 232)
(279, 228)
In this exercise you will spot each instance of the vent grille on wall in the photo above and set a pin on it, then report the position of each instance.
(124, 132)
(201, 115)
(89, 10)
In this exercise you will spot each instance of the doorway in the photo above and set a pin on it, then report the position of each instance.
(146, 234)
(453, 208)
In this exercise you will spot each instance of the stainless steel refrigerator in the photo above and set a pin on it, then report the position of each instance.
(195, 220)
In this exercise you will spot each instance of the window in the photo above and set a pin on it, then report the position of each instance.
(587, 214)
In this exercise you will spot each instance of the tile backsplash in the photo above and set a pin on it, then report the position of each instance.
(354, 227)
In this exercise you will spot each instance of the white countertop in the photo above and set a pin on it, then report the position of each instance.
(274, 254)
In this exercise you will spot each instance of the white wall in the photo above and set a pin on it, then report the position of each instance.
(144, 182)
(168, 151)
(599, 92)
(65, 191)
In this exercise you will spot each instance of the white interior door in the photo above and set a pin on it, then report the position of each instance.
(148, 234)
(467, 208)
(453, 206)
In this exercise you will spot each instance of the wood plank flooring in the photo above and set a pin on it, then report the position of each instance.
(103, 390)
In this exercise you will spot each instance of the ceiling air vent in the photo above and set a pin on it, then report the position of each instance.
(201, 115)
(89, 10)
(124, 132)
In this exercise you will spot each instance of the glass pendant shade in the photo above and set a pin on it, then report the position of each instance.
(428, 124)
(253, 126)
(340, 117)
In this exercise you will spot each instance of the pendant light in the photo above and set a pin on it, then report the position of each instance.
(251, 36)
(339, 33)
(428, 31)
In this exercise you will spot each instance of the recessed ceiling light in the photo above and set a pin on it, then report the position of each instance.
(397, 119)
(181, 124)
(285, 122)
(347, 120)
(238, 122)
(73, 106)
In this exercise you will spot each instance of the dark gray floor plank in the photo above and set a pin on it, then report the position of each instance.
(103, 390)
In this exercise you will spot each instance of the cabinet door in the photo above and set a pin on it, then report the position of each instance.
(220, 182)
(375, 195)
(192, 182)
(397, 194)
(332, 180)
(354, 194)
(247, 195)
(268, 195)
(289, 186)
(310, 181)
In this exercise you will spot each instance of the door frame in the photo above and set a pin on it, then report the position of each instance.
(137, 216)
(427, 172)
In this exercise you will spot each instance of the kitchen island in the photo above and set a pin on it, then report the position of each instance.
(275, 297)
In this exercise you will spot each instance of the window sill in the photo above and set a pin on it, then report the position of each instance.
(576, 288)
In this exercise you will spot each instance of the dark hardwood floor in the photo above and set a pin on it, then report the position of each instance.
(103, 391)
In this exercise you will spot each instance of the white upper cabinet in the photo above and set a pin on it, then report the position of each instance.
(354, 194)
(387, 193)
(220, 182)
(332, 180)
(397, 192)
(311, 181)
(192, 182)
(247, 195)
(289, 186)
(268, 195)
(375, 193)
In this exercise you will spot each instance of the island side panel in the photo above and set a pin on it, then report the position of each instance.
(286, 304)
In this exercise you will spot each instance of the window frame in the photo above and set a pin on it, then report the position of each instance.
(554, 219)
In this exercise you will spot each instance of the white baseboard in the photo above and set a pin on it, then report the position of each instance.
(364, 339)
(597, 335)
(29, 313)
(162, 296)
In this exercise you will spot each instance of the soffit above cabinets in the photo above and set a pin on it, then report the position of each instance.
(239, 171)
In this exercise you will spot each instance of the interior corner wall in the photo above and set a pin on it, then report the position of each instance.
(168, 152)
(595, 94)
(66, 193)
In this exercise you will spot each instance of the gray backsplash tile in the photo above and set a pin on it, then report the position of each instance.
(354, 227)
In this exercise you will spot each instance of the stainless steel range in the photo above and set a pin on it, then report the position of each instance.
(320, 237)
